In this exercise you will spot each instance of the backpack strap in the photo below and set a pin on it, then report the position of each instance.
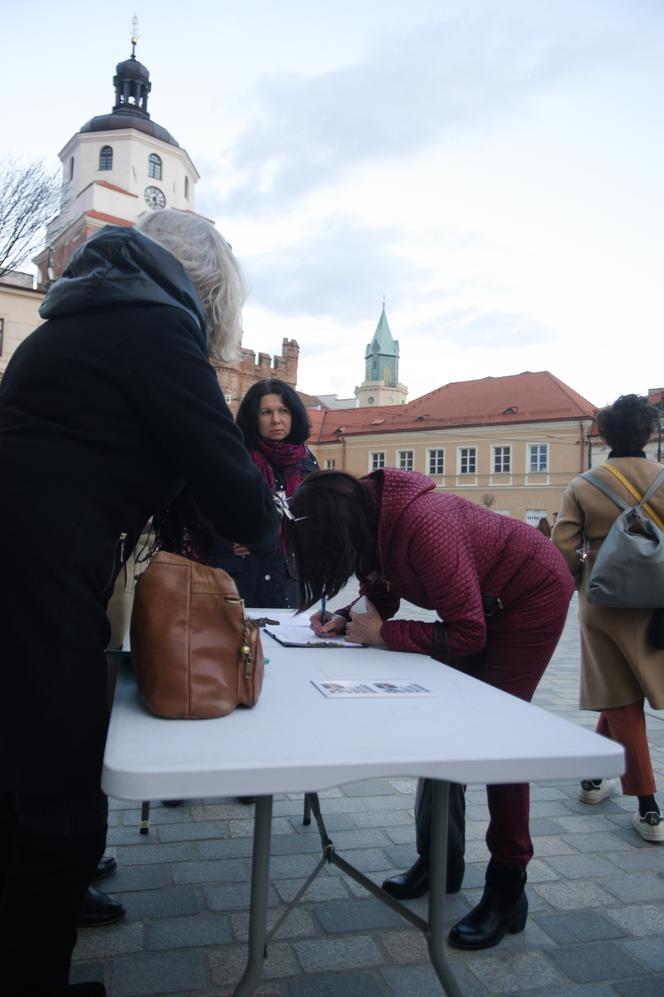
(641, 501)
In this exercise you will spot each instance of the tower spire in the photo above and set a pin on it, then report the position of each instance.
(134, 35)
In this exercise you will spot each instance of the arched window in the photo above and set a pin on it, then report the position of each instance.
(186, 188)
(71, 168)
(154, 166)
(106, 158)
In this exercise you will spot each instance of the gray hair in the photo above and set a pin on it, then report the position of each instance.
(211, 267)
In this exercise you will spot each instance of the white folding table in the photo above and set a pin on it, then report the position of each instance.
(295, 739)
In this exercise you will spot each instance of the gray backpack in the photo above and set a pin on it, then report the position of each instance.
(628, 570)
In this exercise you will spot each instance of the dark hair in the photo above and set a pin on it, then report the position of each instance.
(247, 415)
(336, 539)
(544, 527)
(628, 424)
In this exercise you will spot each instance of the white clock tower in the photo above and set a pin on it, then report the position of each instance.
(117, 166)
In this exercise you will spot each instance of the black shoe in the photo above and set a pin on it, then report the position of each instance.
(105, 867)
(172, 803)
(98, 908)
(414, 882)
(247, 800)
(502, 909)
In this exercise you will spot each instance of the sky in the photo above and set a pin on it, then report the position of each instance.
(494, 169)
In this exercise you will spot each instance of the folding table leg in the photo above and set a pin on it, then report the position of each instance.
(437, 874)
(144, 824)
(260, 883)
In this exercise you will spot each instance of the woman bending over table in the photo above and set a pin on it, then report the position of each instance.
(502, 591)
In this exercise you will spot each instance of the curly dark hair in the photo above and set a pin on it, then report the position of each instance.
(628, 423)
(247, 414)
(337, 538)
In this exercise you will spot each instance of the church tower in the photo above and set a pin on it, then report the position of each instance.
(381, 376)
(117, 166)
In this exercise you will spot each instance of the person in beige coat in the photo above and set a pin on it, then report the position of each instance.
(619, 666)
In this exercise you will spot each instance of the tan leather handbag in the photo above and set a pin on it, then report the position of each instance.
(194, 653)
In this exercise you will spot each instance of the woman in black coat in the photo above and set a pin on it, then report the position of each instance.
(107, 412)
(275, 426)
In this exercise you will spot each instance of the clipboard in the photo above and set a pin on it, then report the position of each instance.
(303, 636)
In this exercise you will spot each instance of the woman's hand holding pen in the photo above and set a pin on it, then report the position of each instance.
(333, 624)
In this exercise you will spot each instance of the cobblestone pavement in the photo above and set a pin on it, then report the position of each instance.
(595, 890)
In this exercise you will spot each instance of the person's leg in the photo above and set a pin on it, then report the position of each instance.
(58, 843)
(627, 726)
(414, 882)
(519, 648)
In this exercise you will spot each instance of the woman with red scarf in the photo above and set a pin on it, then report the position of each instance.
(275, 426)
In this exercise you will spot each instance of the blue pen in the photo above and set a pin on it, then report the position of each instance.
(322, 611)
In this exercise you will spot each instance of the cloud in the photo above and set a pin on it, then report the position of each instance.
(490, 328)
(464, 71)
(341, 271)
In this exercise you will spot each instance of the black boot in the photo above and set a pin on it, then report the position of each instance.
(503, 908)
(414, 882)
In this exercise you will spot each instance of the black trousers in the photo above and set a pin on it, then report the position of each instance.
(456, 824)
(49, 849)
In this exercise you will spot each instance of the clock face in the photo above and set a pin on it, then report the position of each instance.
(154, 197)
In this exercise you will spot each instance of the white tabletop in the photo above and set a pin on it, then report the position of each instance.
(295, 739)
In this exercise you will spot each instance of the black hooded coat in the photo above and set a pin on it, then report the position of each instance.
(107, 411)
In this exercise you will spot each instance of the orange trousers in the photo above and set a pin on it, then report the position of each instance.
(627, 726)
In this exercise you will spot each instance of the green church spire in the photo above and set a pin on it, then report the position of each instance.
(382, 354)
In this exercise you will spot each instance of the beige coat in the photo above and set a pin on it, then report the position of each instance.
(618, 665)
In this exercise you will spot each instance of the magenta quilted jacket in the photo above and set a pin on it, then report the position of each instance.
(443, 552)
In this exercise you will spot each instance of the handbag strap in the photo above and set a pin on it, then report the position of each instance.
(603, 487)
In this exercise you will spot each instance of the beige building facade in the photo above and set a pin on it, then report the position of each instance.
(19, 313)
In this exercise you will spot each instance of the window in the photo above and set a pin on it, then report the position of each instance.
(154, 166)
(405, 460)
(2, 333)
(376, 459)
(106, 158)
(186, 188)
(330, 462)
(467, 460)
(435, 461)
(71, 168)
(502, 460)
(538, 457)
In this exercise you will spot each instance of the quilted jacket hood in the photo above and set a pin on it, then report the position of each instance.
(121, 266)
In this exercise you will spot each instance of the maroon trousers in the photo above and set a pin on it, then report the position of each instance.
(520, 644)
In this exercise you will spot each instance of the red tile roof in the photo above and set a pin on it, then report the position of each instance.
(113, 186)
(527, 397)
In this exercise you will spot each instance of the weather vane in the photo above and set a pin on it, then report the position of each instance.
(134, 35)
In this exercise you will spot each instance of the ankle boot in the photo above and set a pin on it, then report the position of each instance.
(503, 908)
(414, 882)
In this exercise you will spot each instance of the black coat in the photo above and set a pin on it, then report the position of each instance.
(107, 411)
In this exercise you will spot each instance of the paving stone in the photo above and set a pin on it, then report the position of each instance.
(599, 842)
(634, 888)
(361, 838)
(405, 947)
(320, 955)
(540, 826)
(568, 895)
(402, 834)
(225, 848)
(578, 926)
(322, 888)
(333, 822)
(406, 786)
(367, 788)
(245, 828)
(294, 844)
(299, 924)
(596, 961)
(214, 871)
(163, 973)
(141, 877)
(234, 896)
(193, 831)
(356, 984)
(641, 920)
(581, 866)
(185, 932)
(170, 901)
(145, 854)
(514, 973)
(355, 915)
(158, 816)
(645, 986)
(109, 940)
(227, 964)
(650, 952)
(640, 860)
(541, 872)
(218, 812)
(421, 981)
(385, 818)
(87, 972)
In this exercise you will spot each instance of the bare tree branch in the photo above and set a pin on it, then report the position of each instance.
(29, 195)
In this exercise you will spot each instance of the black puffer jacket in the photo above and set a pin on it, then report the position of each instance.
(107, 411)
